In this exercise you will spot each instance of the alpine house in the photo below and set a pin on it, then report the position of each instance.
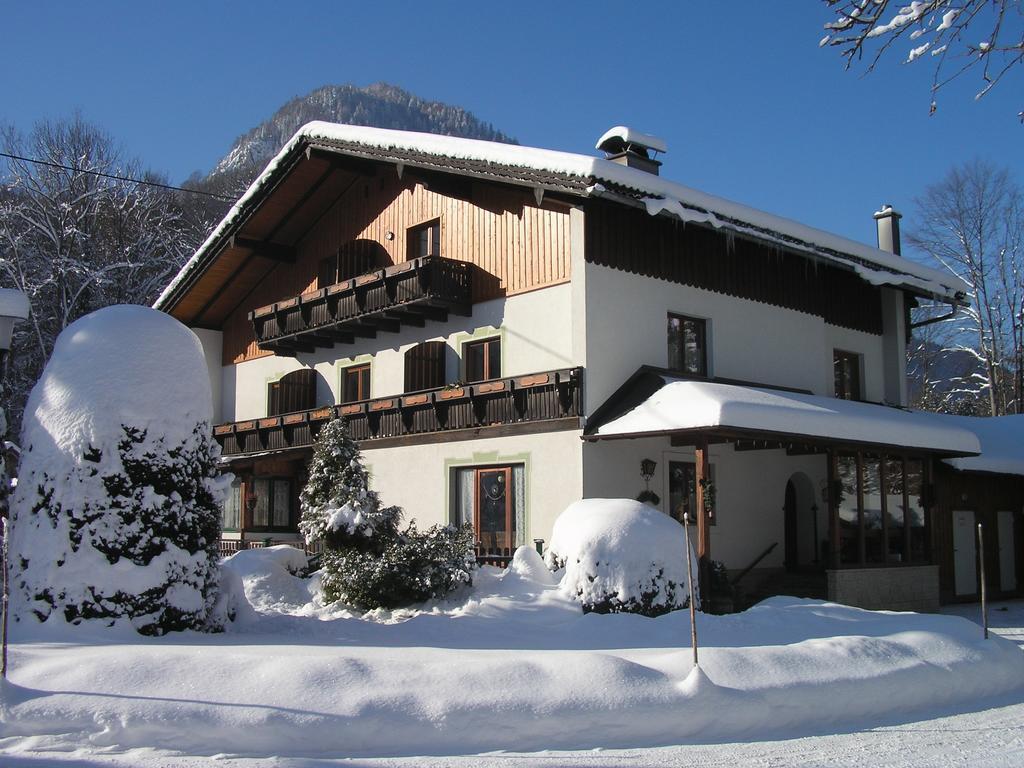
(509, 329)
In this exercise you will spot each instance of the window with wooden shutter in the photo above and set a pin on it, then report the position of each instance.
(295, 391)
(425, 239)
(355, 383)
(483, 359)
(424, 366)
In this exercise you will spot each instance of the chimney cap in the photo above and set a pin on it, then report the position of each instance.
(887, 211)
(622, 138)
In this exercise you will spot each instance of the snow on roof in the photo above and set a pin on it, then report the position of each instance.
(660, 194)
(1002, 444)
(13, 303)
(630, 136)
(684, 404)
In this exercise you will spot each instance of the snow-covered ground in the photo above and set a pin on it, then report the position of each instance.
(511, 664)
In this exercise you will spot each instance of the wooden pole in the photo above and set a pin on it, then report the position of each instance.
(981, 568)
(703, 533)
(5, 528)
(689, 584)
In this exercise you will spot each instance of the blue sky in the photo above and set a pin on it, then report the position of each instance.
(751, 108)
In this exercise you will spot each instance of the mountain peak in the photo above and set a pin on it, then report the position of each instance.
(380, 105)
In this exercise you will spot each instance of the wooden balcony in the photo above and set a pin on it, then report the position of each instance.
(516, 400)
(409, 293)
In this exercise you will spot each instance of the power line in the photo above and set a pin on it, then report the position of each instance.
(116, 177)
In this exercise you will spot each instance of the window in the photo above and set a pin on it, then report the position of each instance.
(483, 359)
(425, 239)
(424, 366)
(295, 391)
(682, 490)
(687, 345)
(492, 500)
(273, 507)
(355, 383)
(231, 514)
(882, 517)
(846, 366)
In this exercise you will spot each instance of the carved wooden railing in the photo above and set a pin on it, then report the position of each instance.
(537, 397)
(410, 293)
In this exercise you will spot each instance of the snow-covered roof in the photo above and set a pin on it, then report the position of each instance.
(682, 404)
(13, 303)
(631, 136)
(1002, 444)
(588, 176)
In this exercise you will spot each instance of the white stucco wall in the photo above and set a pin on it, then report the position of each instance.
(750, 493)
(626, 328)
(418, 478)
(535, 330)
(213, 345)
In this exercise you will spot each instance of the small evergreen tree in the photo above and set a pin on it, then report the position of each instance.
(367, 561)
(337, 504)
(137, 535)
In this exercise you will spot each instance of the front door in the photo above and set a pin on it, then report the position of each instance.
(789, 511)
(495, 522)
(965, 556)
(1007, 556)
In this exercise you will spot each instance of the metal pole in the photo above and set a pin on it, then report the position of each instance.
(981, 567)
(689, 584)
(6, 599)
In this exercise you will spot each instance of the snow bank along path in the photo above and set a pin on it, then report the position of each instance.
(508, 664)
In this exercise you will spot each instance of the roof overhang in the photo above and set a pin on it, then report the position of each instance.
(690, 411)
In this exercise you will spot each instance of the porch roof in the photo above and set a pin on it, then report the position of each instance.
(1002, 444)
(702, 409)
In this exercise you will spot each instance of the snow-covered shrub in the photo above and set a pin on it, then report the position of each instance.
(411, 567)
(367, 562)
(117, 509)
(620, 555)
(337, 504)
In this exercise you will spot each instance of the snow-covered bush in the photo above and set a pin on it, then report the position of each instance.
(620, 555)
(411, 567)
(117, 510)
(337, 504)
(367, 562)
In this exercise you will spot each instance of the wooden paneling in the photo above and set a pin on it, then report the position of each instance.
(717, 260)
(985, 495)
(515, 245)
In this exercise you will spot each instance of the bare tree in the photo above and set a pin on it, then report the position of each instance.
(972, 224)
(957, 35)
(74, 240)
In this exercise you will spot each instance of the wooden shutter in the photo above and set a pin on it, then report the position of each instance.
(356, 258)
(295, 391)
(424, 366)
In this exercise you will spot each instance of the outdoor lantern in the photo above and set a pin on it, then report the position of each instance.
(647, 467)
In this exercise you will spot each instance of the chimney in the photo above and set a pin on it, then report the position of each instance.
(888, 222)
(631, 148)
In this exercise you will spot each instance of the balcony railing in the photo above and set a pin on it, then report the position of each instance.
(538, 397)
(410, 293)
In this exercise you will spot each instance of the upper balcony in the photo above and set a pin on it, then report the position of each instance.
(409, 293)
(538, 401)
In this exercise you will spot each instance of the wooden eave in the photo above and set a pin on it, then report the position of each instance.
(301, 189)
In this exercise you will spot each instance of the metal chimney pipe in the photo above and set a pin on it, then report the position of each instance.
(888, 222)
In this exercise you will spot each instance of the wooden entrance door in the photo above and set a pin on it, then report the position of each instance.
(965, 555)
(494, 517)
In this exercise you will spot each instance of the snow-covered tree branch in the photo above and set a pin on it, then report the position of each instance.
(957, 36)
